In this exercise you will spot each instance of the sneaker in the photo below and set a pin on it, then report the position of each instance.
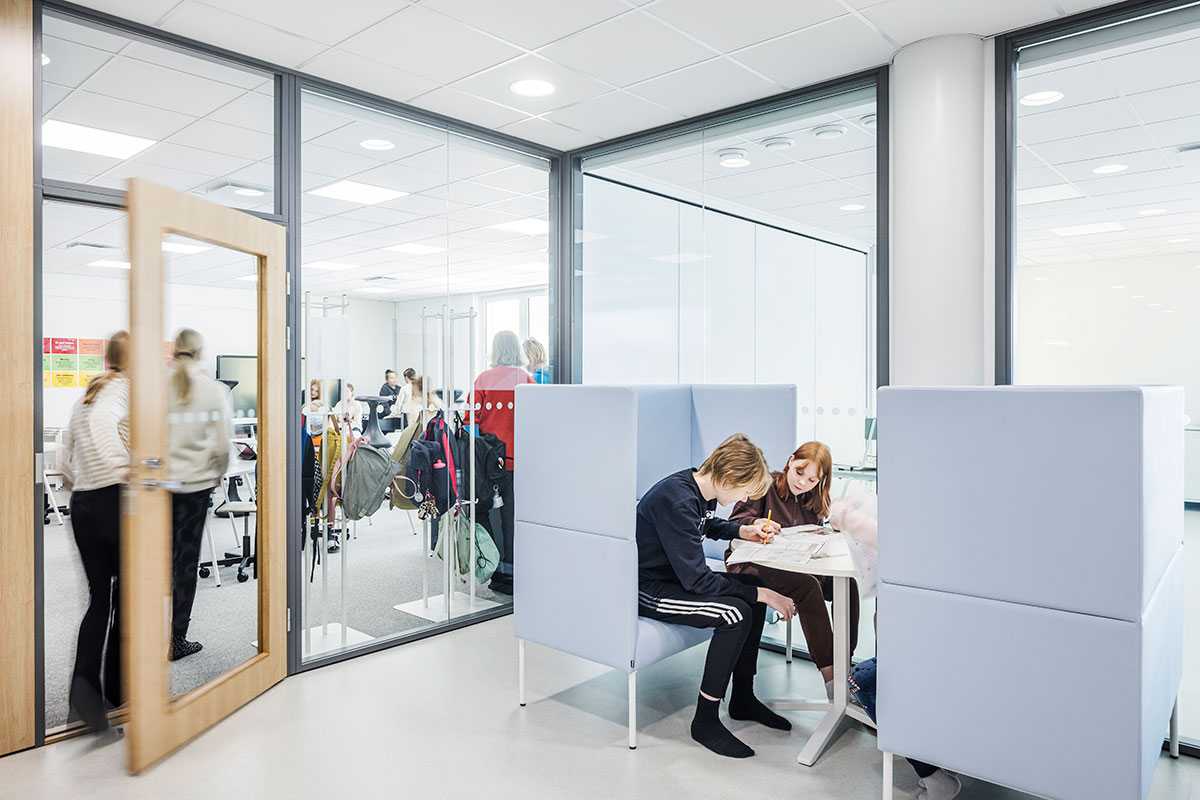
(86, 701)
(182, 648)
(941, 785)
(334, 542)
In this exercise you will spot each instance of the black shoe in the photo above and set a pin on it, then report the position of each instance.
(85, 699)
(334, 545)
(501, 585)
(182, 648)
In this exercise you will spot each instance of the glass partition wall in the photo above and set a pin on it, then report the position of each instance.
(743, 251)
(1104, 273)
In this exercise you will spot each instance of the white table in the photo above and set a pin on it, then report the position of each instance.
(841, 569)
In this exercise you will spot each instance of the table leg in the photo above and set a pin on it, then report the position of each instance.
(825, 732)
(888, 778)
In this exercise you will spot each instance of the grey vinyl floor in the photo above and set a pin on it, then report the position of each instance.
(438, 718)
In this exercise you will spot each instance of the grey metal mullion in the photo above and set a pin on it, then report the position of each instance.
(39, 529)
(883, 160)
(562, 283)
(1088, 20)
(1003, 267)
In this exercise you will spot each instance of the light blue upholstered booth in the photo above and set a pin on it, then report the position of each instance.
(1031, 583)
(585, 455)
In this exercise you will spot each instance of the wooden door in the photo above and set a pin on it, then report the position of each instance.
(160, 724)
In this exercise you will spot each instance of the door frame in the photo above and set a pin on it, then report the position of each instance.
(159, 724)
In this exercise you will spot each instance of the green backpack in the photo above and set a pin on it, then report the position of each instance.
(402, 487)
(487, 557)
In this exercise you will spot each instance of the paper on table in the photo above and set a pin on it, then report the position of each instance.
(791, 546)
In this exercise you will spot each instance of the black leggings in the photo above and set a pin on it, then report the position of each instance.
(188, 513)
(96, 523)
(737, 626)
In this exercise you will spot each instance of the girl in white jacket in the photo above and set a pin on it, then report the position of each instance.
(200, 434)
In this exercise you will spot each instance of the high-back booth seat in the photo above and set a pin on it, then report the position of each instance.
(585, 456)
(1031, 597)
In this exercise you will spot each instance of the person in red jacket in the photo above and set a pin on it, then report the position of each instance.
(494, 410)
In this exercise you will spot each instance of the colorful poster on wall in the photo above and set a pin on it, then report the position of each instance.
(90, 363)
(91, 347)
(45, 344)
(65, 380)
(86, 377)
(64, 363)
(60, 346)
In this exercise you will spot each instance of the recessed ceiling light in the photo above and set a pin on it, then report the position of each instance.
(1154, 305)
(184, 249)
(1084, 230)
(867, 121)
(1110, 169)
(329, 266)
(1179, 240)
(250, 278)
(1041, 98)
(829, 131)
(777, 143)
(1137, 296)
(376, 144)
(108, 262)
(355, 192)
(45, 59)
(852, 207)
(83, 139)
(732, 158)
(532, 87)
(529, 227)
(1047, 194)
(1152, 212)
(248, 191)
(414, 249)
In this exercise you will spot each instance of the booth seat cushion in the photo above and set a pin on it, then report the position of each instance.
(664, 433)
(658, 640)
(767, 414)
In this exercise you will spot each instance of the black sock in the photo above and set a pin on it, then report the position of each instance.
(743, 705)
(708, 731)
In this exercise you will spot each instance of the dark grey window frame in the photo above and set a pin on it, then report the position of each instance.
(1008, 47)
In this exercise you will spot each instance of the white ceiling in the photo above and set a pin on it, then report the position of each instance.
(621, 66)
(1133, 103)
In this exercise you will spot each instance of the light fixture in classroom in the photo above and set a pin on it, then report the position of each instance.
(867, 121)
(1152, 212)
(732, 158)
(248, 191)
(1041, 98)
(852, 207)
(1110, 169)
(778, 143)
(109, 262)
(376, 144)
(184, 249)
(98, 142)
(415, 249)
(1047, 194)
(354, 192)
(45, 59)
(829, 131)
(329, 266)
(531, 226)
(532, 87)
(1084, 230)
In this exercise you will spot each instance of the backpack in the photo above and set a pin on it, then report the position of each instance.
(444, 480)
(489, 465)
(487, 556)
(403, 494)
(369, 472)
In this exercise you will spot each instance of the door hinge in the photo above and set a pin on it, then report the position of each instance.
(39, 468)
(289, 619)
(289, 284)
(289, 337)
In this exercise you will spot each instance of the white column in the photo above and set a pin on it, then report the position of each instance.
(939, 90)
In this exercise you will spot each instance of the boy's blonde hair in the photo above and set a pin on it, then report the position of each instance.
(738, 462)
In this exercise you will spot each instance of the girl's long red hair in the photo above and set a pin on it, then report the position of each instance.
(816, 499)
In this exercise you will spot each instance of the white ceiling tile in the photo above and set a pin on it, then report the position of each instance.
(517, 178)
(423, 42)
(181, 180)
(729, 27)
(1096, 145)
(335, 163)
(529, 23)
(846, 165)
(240, 34)
(468, 108)
(839, 47)
(106, 113)
(70, 63)
(260, 174)
(1079, 84)
(1073, 121)
(1176, 132)
(1154, 67)
(52, 95)
(335, 228)
(205, 162)
(705, 87)
(647, 47)
(906, 21)
(227, 139)
(407, 138)
(71, 165)
(322, 22)
(570, 86)
(614, 114)
(1163, 104)
(550, 134)
(151, 85)
(252, 110)
(351, 69)
(72, 31)
(194, 65)
(149, 12)
(467, 193)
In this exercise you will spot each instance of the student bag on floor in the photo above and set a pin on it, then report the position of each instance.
(486, 556)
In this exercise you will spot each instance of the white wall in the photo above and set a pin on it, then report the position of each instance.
(674, 294)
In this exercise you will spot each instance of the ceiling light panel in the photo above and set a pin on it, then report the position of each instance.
(1089, 229)
(83, 139)
(355, 192)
